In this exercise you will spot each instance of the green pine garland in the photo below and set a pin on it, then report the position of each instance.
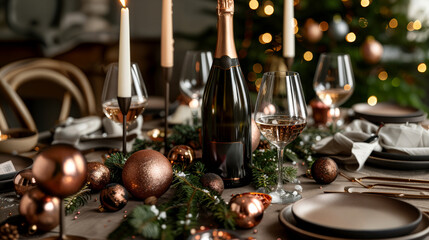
(77, 200)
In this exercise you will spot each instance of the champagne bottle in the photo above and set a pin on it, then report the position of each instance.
(226, 114)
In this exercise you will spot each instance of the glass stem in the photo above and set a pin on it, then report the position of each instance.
(280, 151)
(334, 119)
(194, 112)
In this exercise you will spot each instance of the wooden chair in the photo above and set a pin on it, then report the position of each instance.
(63, 74)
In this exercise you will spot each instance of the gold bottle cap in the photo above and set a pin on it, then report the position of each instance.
(225, 6)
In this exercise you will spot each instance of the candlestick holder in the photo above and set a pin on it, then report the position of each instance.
(289, 63)
(124, 105)
(167, 73)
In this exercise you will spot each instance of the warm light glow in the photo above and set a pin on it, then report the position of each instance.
(257, 68)
(194, 103)
(364, 3)
(69, 167)
(124, 3)
(417, 25)
(268, 9)
(351, 37)
(156, 132)
(295, 22)
(372, 101)
(265, 38)
(258, 83)
(253, 4)
(422, 67)
(324, 26)
(49, 206)
(393, 23)
(270, 109)
(410, 26)
(383, 75)
(308, 56)
(296, 29)
(2, 136)
(347, 87)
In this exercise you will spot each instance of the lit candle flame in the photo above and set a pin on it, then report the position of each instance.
(123, 2)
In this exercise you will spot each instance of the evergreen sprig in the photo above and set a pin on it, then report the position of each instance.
(79, 199)
(115, 162)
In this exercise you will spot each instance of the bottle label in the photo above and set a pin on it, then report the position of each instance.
(229, 156)
(225, 62)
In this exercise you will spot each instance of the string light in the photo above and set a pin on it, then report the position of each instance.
(324, 26)
(364, 3)
(351, 37)
(265, 38)
(422, 67)
(383, 75)
(268, 8)
(417, 25)
(253, 4)
(393, 23)
(308, 56)
(257, 68)
(372, 101)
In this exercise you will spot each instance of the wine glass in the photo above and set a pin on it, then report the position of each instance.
(193, 77)
(281, 115)
(110, 92)
(334, 81)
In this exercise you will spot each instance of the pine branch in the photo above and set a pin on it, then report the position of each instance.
(115, 163)
(79, 199)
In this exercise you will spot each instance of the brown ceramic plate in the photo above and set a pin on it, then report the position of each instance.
(288, 220)
(19, 162)
(388, 113)
(351, 215)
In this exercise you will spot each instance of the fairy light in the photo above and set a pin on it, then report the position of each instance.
(253, 4)
(422, 67)
(308, 56)
(383, 75)
(351, 37)
(257, 68)
(364, 3)
(269, 9)
(410, 26)
(393, 23)
(417, 25)
(265, 38)
(323, 26)
(372, 101)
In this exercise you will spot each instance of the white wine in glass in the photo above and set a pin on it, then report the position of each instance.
(110, 92)
(281, 115)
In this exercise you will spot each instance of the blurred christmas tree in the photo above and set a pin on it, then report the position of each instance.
(388, 50)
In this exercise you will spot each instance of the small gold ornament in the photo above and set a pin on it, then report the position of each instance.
(24, 181)
(324, 170)
(249, 210)
(181, 155)
(113, 197)
(98, 175)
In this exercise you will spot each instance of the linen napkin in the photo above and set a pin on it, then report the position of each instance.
(351, 149)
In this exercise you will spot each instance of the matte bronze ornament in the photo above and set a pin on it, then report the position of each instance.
(324, 170)
(181, 155)
(98, 175)
(256, 136)
(60, 170)
(147, 173)
(249, 210)
(40, 209)
(213, 182)
(24, 181)
(113, 197)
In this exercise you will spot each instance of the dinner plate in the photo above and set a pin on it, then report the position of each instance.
(288, 220)
(19, 162)
(356, 215)
(388, 113)
(397, 163)
(399, 156)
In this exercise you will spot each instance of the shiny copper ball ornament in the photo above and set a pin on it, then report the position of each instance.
(147, 173)
(324, 170)
(256, 136)
(371, 50)
(311, 31)
(181, 155)
(113, 197)
(98, 175)
(60, 170)
(213, 182)
(24, 181)
(40, 209)
(249, 210)
(264, 198)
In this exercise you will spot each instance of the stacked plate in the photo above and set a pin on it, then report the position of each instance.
(398, 161)
(354, 216)
(388, 113)
(19, 163)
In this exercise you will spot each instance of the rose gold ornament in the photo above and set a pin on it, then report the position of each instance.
(249, 210)
(40, 209)
(98, 175)
(60, 170)
(24, 181)
(114, 197)
(311, 31)
(212, 181)
(371, 50)
(256, 136)
(181, 155)
(264, 198)
(324, 170)
(147, 173)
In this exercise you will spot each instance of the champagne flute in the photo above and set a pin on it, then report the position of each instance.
(281, 115)
(110, 92)
(193, 77)
(334, 81)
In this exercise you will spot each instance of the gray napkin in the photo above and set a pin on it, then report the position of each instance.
(349, 147)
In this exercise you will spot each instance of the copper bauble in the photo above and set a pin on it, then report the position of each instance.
(98, 175)
(24, 181)
(40, 209)
(213, 182)
(311, 31)
(249, 210)
(147, 173)
(264, 198)
(371, 50)
(324, 170)
(60, 170)
(181, 155)
(256, 136)
(113, 197)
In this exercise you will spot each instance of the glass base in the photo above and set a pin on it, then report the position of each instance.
(284, 197)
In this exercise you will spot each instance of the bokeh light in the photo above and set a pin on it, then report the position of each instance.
(372, 101)
(422, 67)
(351, 37)
(308, 56)
(383, 75)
